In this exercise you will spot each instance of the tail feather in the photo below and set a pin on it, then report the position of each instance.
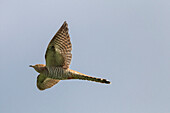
(77, 75)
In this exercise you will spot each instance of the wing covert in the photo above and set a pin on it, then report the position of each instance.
(44, 82)
(58, 52)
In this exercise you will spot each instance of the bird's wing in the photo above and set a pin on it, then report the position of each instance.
(44, 82)
(58, 52)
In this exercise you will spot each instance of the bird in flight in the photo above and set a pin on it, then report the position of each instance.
(58, 58)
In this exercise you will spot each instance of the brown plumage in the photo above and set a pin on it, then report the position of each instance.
(61, 42)
(58, 58)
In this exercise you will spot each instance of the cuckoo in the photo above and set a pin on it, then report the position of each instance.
(58, 58)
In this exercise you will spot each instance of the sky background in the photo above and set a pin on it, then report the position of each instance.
(125, 41)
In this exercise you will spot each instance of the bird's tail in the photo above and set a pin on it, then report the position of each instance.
(78, 75)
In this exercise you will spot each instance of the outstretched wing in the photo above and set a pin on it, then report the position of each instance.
(58, 52)
(44, 82)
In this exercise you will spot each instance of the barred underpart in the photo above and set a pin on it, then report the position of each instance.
(64, 74)
(57, 73)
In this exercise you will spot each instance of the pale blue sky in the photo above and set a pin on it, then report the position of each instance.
(125, 41)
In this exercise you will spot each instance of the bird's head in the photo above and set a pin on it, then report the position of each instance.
(38, 67)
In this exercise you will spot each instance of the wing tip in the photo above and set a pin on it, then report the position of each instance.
(65, 23)
(64, 26)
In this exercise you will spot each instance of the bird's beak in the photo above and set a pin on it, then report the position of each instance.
(30, 65)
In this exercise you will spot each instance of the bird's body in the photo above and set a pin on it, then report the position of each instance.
(58, 58)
